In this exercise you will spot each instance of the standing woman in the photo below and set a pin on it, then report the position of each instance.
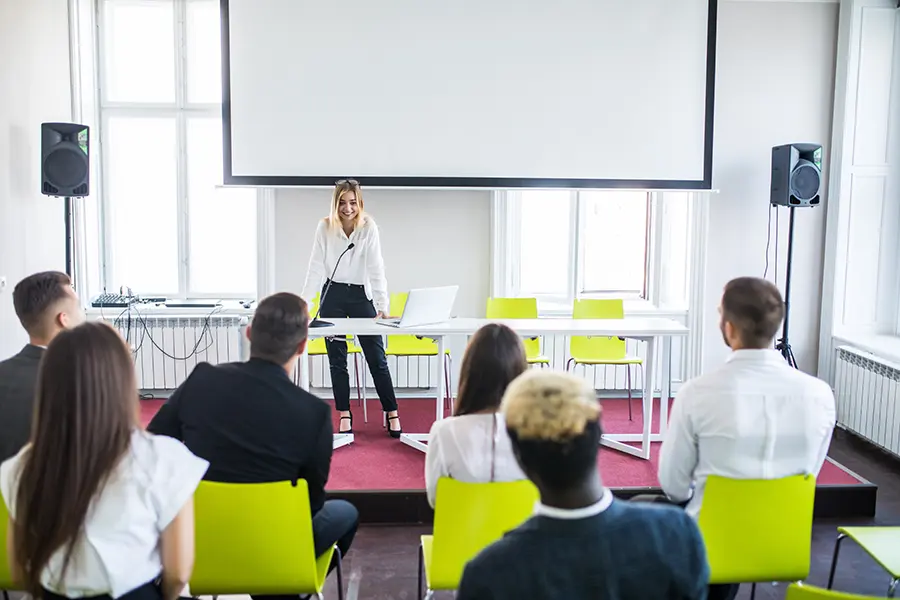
(358, 290)
(98, 508)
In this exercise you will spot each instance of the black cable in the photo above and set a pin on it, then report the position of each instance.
(196, 349)
(768, 241)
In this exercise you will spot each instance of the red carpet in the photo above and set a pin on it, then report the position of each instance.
(375, 461)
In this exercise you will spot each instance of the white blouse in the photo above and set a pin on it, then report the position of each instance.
(119, 550)
(461, 448)
(363, 265)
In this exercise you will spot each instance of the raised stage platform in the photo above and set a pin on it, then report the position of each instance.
(385, 478)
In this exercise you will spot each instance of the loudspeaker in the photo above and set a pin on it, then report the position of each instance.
(796, 174)
(65, 169)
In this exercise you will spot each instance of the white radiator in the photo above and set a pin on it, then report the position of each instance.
(166, 350)
(866, 392)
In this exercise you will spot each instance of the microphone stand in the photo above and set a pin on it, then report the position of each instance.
(316, 321)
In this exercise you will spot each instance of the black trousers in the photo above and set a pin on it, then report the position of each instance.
(717, 591)
(333, 524)
(342, 301)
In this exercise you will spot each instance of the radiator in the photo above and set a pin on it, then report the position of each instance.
(166, 350)
(866, 392)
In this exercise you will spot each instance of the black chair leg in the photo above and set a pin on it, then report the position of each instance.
(892, 588)
(420, 589)
(752, 591)
(834, 559)
(5, 595)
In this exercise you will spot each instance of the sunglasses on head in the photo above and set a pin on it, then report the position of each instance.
(352, 182)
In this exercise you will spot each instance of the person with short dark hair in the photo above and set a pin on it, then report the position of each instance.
(581, 543)
(46, 304)
(98, 508)
(254, 425)
(755, 417)
(472, 445)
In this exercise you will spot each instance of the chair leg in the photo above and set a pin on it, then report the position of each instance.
(569, 363)
(365, 401)
(834, 559)
(358, 386)
(420, 591)
(752, 591)
(340, 573)
(892, 588)
(628, 383)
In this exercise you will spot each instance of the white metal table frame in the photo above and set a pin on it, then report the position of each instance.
(657, 333)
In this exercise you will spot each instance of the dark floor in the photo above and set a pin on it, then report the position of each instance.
(382, 562)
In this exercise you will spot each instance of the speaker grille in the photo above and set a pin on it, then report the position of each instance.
(66, 166)
(806, 180)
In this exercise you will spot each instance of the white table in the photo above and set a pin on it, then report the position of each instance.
(656, 332)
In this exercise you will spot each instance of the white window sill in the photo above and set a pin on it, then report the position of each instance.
(882, 345)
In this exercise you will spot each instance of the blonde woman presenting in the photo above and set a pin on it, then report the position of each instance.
(346, 261)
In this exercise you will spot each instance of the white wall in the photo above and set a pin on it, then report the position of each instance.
(775, 84)
(428, 238)
(34, 87)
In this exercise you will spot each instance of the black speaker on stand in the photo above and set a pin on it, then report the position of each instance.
(65, 171)
(796, 183)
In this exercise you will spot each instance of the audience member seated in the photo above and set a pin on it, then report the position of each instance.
(45, 304)
(98, 508)
(581, 543)
(754, 417)
(254, 425)
(473, 445)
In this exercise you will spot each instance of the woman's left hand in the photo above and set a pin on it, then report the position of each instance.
(380, 315)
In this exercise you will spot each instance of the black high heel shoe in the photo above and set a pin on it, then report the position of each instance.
(394, 434)
(349, 418)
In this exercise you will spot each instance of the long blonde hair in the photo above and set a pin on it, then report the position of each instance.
(340, 188)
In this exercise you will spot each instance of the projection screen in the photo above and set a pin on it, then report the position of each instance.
(469, 93)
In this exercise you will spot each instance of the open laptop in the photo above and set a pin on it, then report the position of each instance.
(425, 306)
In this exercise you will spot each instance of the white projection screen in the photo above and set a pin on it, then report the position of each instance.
(469, 93)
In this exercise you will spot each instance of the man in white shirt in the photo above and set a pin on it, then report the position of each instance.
(754, 417)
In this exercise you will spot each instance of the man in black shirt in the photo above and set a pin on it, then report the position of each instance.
(581, 544)
(254, 425)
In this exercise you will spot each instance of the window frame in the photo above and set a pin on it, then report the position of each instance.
(182, 110)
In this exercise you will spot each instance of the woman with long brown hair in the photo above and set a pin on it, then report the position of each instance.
(347, 267)
(97, 506)
(472, 445)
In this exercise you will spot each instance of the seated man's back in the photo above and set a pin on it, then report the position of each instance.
(755, 417)
(251, 423)
(18, 376)
(627, 551)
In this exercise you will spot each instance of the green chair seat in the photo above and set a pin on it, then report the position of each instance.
(627, 360)
(796, 591)
(881, 543)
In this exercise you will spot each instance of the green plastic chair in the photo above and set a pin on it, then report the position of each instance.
(316, 347)
(469, 517)
(757, 530)
(881, 543)
(6, 580)
(519, 308)
(594, 351)
(796, 591)
(414, 346)
(257, 538)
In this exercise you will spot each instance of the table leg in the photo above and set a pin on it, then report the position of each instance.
(666, 387)
(419, 441)
(647, 400)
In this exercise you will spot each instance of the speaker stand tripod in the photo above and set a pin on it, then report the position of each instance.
(783, 345)
(70, 241)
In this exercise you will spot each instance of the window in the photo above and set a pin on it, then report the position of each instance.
(561, 245)
(170, 228)
(569, 245)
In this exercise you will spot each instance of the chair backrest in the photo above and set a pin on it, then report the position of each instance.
(758, 530)
(808, 592)
(253, 539)
(597, 348)
(6, 581)
(469, 517)
(516, 308)
(409, 345)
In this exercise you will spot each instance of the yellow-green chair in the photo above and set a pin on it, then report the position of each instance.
(316, 347)
(757, 530)
(468, 517)
(256, 538)
(796, 591)
(6, 580)
(595, 351)
(414, 346)
(519, 308)
(881, 543)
